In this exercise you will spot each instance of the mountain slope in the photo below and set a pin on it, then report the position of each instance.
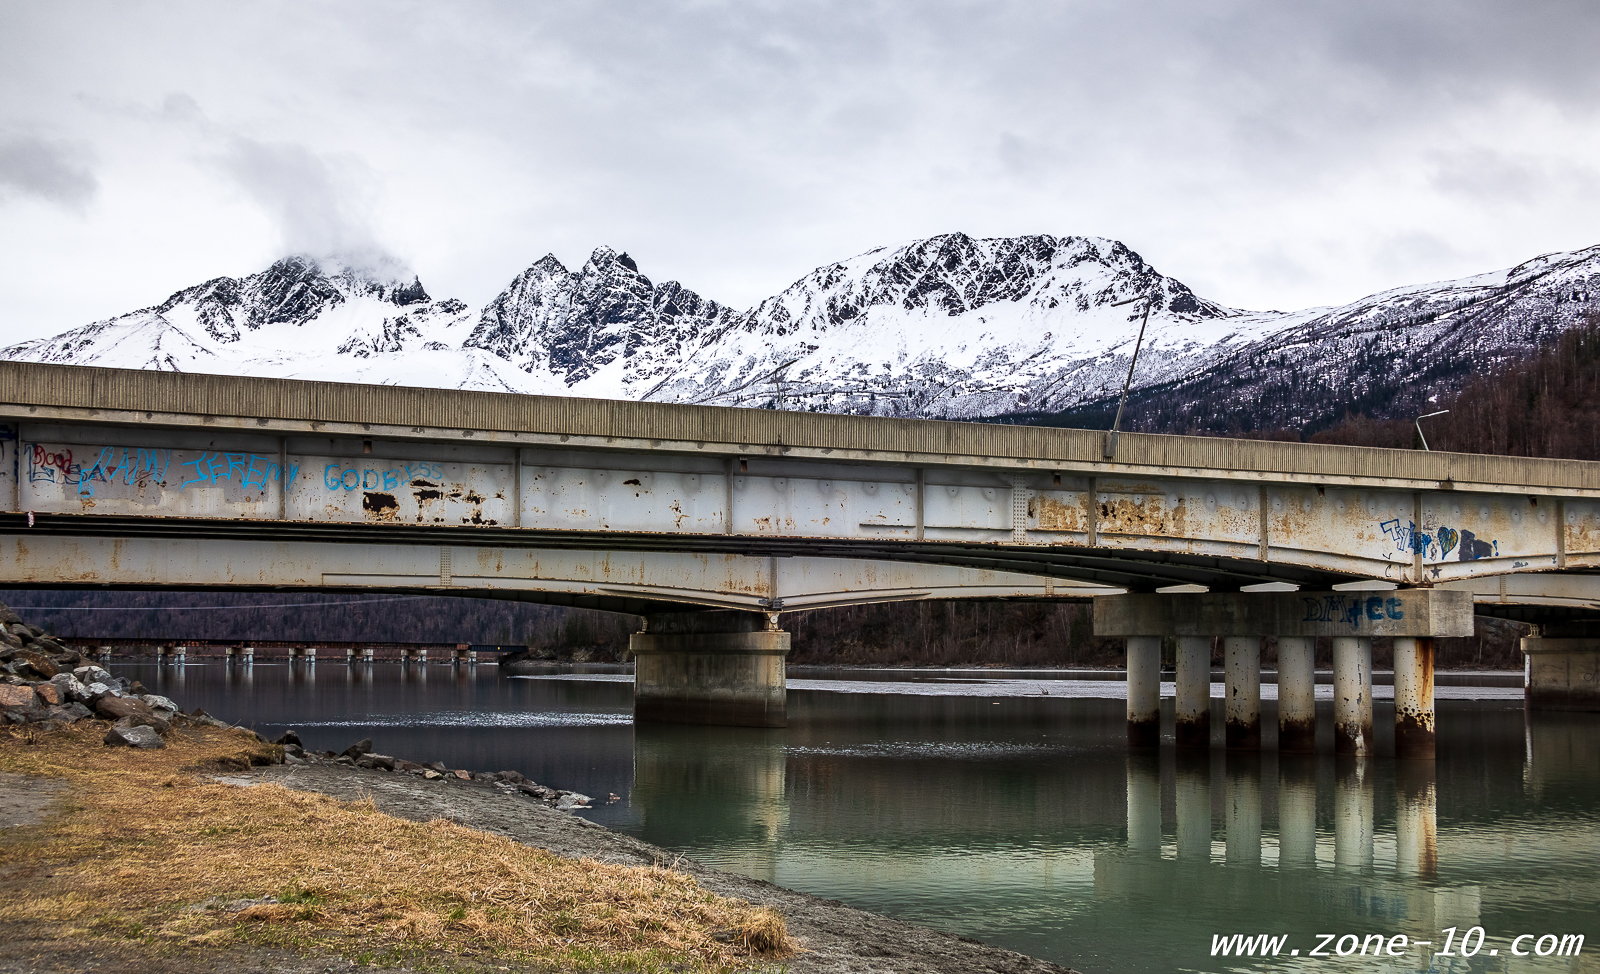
(1025, 328)
(1387, 355)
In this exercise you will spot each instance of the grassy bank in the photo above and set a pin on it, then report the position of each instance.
(145, 847)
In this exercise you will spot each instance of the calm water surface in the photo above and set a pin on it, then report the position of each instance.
(1010, 810)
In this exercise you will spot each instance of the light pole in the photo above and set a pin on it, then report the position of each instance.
(1419, 427)
(1116, 424)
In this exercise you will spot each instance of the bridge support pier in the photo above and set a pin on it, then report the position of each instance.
(1413, 698)
(179, 653)
(105, 652)
(710, 668)
(1144, 691)
(247, 654)
(1297, 695)
(367, 654)
(1352, 695)
(1193, 701)
(1561, 674)
(1242, 666)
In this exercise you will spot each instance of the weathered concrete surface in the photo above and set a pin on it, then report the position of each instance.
(1403, 612)
(1144, 691)
(1562, 674)
(709, 668)
(1193, 702)
(1242, 709)
(1352, 696)
(1297, 705)
(1413, 698)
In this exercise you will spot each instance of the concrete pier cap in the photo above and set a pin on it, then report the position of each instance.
(1412, 617)
(711, 667)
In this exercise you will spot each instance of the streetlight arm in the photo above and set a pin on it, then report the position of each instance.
(1116, 424)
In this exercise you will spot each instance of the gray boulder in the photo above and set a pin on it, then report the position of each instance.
(136, 736)
(70, 713)
(71, 687)
(382, 762)
(90, 673)
(159, 703)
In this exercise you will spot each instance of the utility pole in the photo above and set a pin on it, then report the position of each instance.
(1116, 424)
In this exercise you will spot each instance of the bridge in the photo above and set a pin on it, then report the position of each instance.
(714, 522)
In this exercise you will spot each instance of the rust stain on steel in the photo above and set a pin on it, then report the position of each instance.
(1142, 514)
(1056, 515)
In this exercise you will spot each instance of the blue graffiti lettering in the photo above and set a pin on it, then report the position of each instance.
(1351, 611)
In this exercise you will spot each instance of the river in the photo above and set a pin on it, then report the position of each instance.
(1007, 807)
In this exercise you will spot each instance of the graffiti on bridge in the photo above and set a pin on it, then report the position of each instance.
(1352, 610)
(1439, 545)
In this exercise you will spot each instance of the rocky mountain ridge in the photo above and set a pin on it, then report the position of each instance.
(952, 326)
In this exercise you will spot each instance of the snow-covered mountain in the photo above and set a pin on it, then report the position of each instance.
(950, 326)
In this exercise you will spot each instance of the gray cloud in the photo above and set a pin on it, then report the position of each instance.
(321, 205)
(1266, 153)
(53, 171)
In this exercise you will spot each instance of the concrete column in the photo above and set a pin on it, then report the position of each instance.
(1144, 691)
(248, 653)
(472, 657)
(1297, 812)
(1416, 821)
(1194, 692)
(179, 654)
(1413, 698)
(710, 668)
(1352, 695)
(1193, 789)
(1243, 809)
(311, 654)
(1144, 804)
(1297, 695)
(1352, 818)
(350, 654)
(1242, 666)
(368, 654)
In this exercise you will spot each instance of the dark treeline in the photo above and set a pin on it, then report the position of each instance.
(290, 616)
(1544, 406)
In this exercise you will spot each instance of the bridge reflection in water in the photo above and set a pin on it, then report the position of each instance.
(1115, 859)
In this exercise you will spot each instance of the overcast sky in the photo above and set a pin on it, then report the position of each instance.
(1268, 154)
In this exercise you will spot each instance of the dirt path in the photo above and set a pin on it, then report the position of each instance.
(25, 800)
(837, 938)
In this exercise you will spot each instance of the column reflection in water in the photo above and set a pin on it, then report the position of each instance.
(713, 787)
(1297, 812)
(1194, 805)
(1242, 795)
(1416, 820)
(1144, 804)
(1352, 816)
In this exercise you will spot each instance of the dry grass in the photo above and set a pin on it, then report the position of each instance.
(150, 848)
